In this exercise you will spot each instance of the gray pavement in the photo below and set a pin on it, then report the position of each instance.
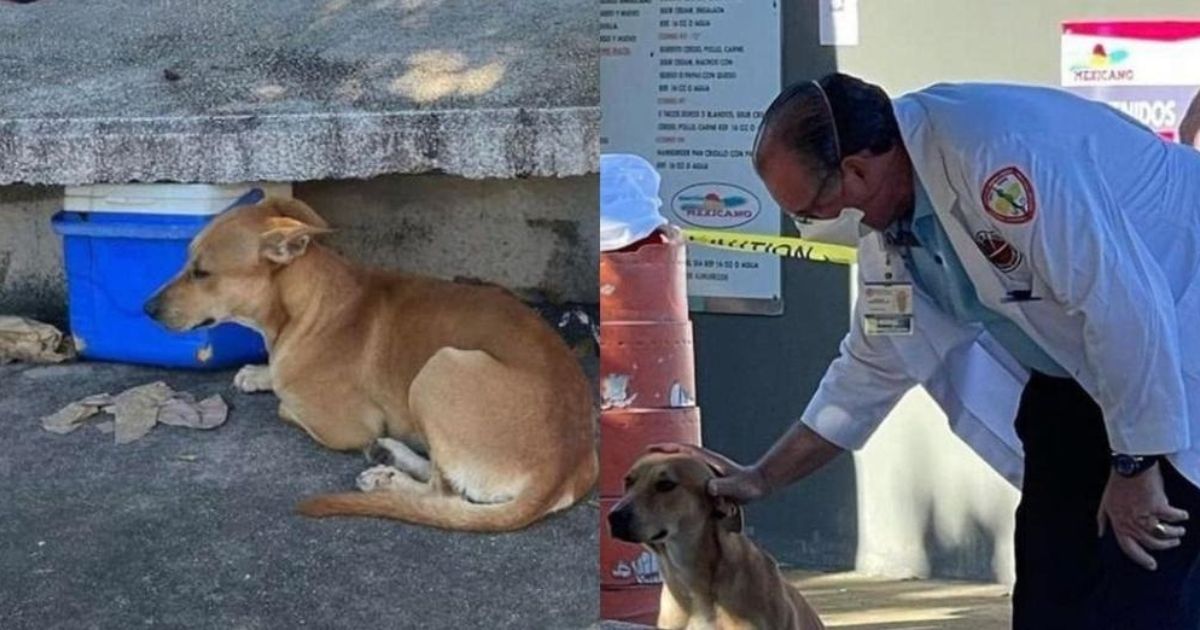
(192, 529)
(854, 601)
(861, 602)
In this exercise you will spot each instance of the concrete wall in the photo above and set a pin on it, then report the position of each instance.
(538, 236)
(906, 44)
(31, 272)
(533, 235)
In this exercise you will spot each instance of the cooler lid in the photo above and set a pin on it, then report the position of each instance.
(172, 199)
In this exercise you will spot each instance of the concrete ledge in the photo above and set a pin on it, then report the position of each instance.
(497, 143)
(237, 90)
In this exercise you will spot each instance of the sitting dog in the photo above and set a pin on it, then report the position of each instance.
(714, 576)
(487, 414)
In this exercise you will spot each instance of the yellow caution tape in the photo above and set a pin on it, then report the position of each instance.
(783, 246)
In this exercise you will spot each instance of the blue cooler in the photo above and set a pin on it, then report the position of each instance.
(120, 245)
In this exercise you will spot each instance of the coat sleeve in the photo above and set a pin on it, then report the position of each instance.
(859, 389)
(1082, 247)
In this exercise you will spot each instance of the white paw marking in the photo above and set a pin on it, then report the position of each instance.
(380, 477)
(253, 378)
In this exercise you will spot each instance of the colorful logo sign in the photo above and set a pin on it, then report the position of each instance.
(1104, 65)
(712, 205)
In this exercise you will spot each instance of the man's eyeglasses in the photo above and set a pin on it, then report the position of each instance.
(824, 194)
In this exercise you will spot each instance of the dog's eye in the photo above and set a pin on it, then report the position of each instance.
(665, 485)
(199, 274)
(628, 482)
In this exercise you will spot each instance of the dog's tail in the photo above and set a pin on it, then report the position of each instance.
(431, 509)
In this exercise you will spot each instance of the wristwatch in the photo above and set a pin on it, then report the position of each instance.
(1132, 465)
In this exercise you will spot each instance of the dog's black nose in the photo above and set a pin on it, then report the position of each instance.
(620, 523)
(152, 307)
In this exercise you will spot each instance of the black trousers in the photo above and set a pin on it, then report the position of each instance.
(1067, 577)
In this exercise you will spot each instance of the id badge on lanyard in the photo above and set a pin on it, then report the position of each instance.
(887, 306)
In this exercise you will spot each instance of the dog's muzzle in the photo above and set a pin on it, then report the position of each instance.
(153, 307)
(620, 523)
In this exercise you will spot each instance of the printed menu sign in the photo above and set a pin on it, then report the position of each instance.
(683, 83)
(1147, 69)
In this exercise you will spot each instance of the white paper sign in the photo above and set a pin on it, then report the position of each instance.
(683, 83)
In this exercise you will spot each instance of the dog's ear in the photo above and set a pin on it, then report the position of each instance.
(287, 240)
(296, 209)
(728, 514)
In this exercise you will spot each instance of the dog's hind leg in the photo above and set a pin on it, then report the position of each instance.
(388, 479)
(490, 445)
(398, 454)
(339, 436)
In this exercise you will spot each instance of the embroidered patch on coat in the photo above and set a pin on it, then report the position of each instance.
(1008, 196)
(998, 251)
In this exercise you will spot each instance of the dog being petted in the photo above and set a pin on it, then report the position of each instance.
(714, 575)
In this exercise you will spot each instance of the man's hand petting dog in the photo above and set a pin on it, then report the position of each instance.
(740, 484)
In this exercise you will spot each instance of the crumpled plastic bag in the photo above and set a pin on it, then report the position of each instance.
(69, 418)
(184, 411)
(32, 342)
(137, 410)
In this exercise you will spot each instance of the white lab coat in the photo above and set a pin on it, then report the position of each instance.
(1112, 248)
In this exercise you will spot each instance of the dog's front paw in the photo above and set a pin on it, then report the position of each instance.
(253, 378)
(380, 478)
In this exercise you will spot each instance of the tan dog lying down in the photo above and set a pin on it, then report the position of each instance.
(714, 576)
(463, 372)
